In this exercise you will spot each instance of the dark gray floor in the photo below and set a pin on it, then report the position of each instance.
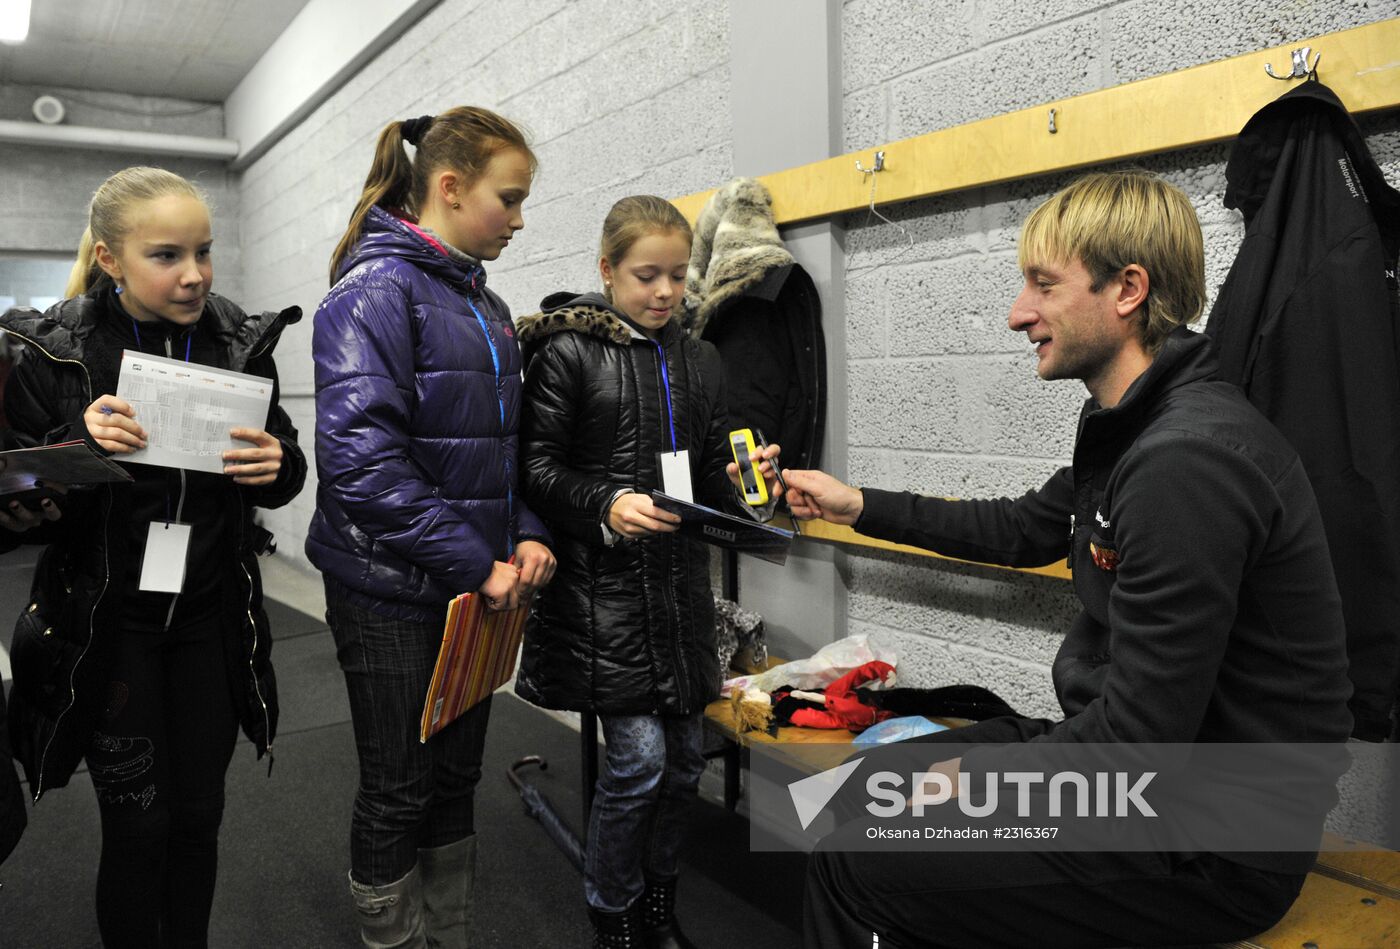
(284, 849)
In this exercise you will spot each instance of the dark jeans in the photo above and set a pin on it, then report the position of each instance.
(157, 764)
(1076, 900)
(648, 780)
(411, 794)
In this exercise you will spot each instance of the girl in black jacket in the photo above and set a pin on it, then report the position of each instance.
(150, 687)
(626, 631)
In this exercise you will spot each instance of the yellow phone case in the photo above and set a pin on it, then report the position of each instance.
(741, 443)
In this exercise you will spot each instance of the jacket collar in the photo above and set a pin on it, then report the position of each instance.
(63, 330)
(1186, 357)
(387, 235)
(592, 315)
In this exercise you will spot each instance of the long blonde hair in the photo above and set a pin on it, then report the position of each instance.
(462, 140)
(110, 212)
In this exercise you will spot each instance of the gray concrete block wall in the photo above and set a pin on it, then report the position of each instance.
(943, 397)
(619, 97)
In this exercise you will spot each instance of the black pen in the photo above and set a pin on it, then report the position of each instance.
(777, 476)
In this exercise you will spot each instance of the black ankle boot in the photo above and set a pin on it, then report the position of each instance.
(616, 930)
(659, 916)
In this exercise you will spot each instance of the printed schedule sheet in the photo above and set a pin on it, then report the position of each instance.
(187, 409)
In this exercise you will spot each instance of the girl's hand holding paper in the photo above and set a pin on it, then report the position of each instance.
(254, 466)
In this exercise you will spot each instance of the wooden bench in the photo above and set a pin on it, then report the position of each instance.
(1351, 899)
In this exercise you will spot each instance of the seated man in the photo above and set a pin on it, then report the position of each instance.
(1210, 611)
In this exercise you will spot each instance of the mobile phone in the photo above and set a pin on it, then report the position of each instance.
(742, 444)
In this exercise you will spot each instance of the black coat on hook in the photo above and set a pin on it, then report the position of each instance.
(760, 309)
(1306, 323)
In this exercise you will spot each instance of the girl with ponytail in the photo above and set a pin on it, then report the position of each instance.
(417, 403)
(150, 686)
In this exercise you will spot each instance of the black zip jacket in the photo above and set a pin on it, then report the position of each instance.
(626, 628)
(1210, 613)
(1308, 325)
(80, 585)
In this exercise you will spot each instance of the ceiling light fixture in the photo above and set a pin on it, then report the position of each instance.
(14, 21)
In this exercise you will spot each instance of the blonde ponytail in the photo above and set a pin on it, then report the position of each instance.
(85, 270)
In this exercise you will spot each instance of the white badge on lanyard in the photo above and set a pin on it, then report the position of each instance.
(674, 468)
(167, 549)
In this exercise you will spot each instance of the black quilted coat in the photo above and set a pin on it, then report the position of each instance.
(627, 628)
(59, 651)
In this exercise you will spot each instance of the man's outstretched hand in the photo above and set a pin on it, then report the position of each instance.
(816, 494)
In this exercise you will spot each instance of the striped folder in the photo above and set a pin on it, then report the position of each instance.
(477, 657)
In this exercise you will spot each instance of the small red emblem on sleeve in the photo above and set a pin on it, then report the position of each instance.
(1106, 558)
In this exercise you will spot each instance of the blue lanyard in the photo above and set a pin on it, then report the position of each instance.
(136, 327)
(189, 338)
(501, 403)
(670, 407)
(495, 359)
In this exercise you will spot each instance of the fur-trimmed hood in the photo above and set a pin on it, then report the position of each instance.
(736, 245)
(588, 313)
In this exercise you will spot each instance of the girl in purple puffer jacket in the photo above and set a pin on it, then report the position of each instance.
(417, 404)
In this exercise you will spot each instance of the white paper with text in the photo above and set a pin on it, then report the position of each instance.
(187, 410)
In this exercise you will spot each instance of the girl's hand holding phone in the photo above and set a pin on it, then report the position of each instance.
(112, 424)
(257, 465)
(633, 515)
(536, 562)
(765, 461)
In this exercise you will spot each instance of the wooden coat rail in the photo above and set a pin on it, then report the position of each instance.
(1197, 106)
(838, 534)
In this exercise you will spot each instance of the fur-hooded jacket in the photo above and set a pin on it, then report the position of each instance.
(626, 627)
(746, 294)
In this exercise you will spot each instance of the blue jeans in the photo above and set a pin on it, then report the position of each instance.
(648, 780)
(411, 794)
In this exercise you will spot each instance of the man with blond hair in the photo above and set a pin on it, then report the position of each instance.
(1209, 609)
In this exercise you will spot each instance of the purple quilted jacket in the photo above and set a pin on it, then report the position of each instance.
(417, 413)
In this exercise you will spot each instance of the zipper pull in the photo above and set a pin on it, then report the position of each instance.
(269, 760)
(1069, 557)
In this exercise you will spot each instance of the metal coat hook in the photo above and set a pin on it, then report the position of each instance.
(1301, 69)
(879, 164)
(875, 214)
